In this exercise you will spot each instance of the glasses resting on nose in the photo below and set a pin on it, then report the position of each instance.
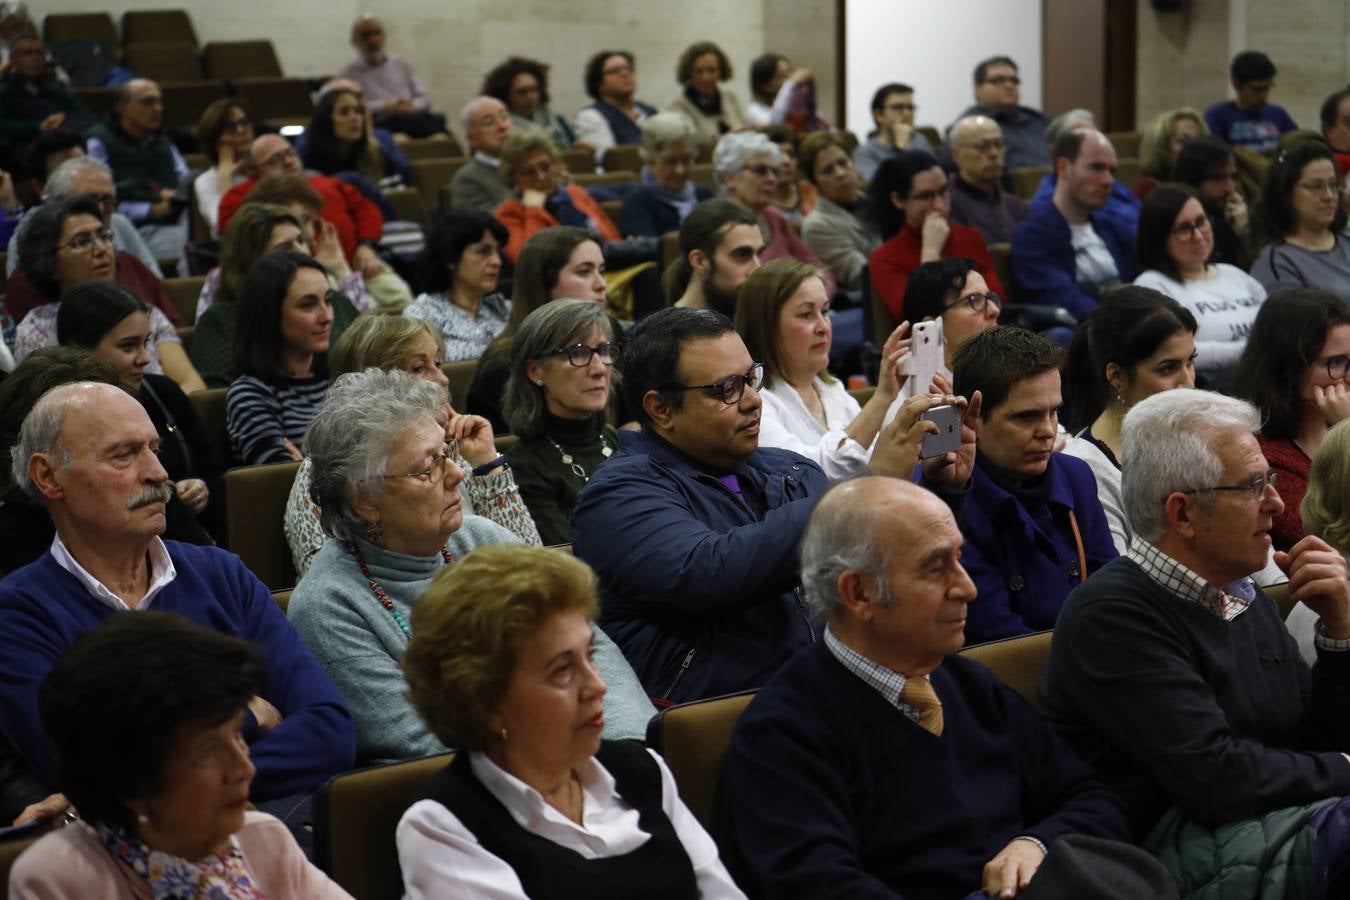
(85, 240)
(978, 301)
(729, 389)
(1191, 230)
(580, 355)
(1256, 486)
(1318, 188)
(440, 465)
(1338, 367)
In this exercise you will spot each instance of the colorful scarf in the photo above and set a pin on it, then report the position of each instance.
(222, 876)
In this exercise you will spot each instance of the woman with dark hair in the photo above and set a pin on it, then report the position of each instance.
(340, 139)
(1207, 164)
(1137, 342)
(714, 111)
(560, 386)
(224, 133)
(285, 324)
(164, 806)
(1305, 215)
(1296, 371)
(952, 291)
(522, 85)
(113, 324)
(1175, 247)
(796, 195)
(463, 261)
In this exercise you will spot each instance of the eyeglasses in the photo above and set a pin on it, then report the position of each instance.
(978, 301)
(85, 240)
(763, 170)
(899, 107)
(239, 124)
(1338, 367)
(440, 465)
(1189, 231)
(1225, 175)
(580, 355)
(1256, 486)
(621, 69)
(729, 389)
(538, 170)
(985, 145)
(928, 196)
(280, 157)
(1003, 79)
(1321, 187)
(675, 162)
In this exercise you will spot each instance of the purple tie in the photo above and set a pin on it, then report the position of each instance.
(733, 484)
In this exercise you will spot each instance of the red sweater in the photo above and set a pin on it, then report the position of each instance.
(893, 262)
(21, 298)
(522, 221)
(1292, 464)
(355, 218)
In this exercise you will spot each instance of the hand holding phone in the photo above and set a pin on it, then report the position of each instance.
(948, 437)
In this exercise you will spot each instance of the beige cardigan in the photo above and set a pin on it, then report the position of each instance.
(705, 125)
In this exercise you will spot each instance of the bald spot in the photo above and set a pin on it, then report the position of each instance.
(903, 509)
(975, 128)
(88, 409)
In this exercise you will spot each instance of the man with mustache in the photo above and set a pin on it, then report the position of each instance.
(88, 453)
(693, 529)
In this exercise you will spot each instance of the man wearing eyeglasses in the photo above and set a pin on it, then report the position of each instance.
(1174, 674)
(893, 113)
(977, 195)
(476, 186)
(693, 529)
(998, 92)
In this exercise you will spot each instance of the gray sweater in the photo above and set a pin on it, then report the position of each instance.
(360, 646)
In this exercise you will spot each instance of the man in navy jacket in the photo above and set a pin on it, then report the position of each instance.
(693, 529)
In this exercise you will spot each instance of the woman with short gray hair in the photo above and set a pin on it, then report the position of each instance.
(667, 194)
(561, 382)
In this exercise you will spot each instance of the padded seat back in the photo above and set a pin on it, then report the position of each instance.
(99, 27)
(702, 174)
(428, 176)
(460, 375)
(255, 507)
(184, 293)
(210, 407)
(443, 146)
(283, 101)
(1280, 594)
(1027, 178)
(407, 204)
(164, 62)
(624, 157)
(158, 26)
(241, 59)
(185, 100)
(1017, 661)
(693, 738)
(1001, 253)
(579, 161)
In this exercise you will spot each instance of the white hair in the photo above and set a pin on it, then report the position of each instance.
(1168, 445)
(664, 128)
(58, 186)
(466, 113)
(41, 433)
(844, 534)
(733, 149)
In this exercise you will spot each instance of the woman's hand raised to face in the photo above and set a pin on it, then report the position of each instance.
(474, 434)
(1333, 400)
(893, 354)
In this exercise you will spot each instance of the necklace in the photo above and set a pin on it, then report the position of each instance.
(569, 460)
(378, 588)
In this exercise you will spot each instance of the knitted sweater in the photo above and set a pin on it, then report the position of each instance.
(1293, 466)
(548, 486)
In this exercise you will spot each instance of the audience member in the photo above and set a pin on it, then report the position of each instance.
(339, 141)
(747, 165)
(1305, 215)
(866, 800)
(720, 244)
(477, 185)
(1324, 508)
(1068, 251)
(224, 134)
(87, 452)
(66, 242)
(782, 95)
(893, 115)
(1033, 524)
(1136, 343)
(795, 197)
(526, 705)
(1174, 247)
(783, 315)
(522, 85)
(1335, 117)
(1296, 371)
(615, 115)
(463, 264)
(1249, 120)
(400, 343)
(666, 195)
(1151, 674)
(33, 100)
(998, 93)
(39, 159)
(1121, 203)
(164, 808)
(712, 111)
(532, 168)
(693, 529)
(113, 324)
(396, 96)
(284, 325)
(556, 396)
(978, 199)
(910, 199)
(840, 230)
(1207, 165)
(1159, 144)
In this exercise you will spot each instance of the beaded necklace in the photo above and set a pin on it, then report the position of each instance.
(378, 588)
(569, 460)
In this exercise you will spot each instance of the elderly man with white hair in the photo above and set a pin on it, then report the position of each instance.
(667, 195)
(1174, 675)
(477, 187)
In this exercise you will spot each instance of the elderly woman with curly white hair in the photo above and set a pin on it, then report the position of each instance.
(746, 165)
(386, 484)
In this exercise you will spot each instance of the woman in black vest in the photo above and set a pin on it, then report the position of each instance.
(535, 804)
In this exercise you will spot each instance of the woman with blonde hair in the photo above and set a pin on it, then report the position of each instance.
(1160, 143)
(1326, 505)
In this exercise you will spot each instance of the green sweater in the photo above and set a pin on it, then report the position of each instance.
(212, 348)
(548, 485)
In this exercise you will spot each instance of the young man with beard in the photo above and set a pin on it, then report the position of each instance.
(720, 243)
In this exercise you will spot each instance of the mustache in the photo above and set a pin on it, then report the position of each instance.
(157, 493)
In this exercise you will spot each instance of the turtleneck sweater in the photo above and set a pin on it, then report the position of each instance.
(548, 485)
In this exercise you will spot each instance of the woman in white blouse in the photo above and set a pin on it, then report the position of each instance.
(535, 804)
(782, 314)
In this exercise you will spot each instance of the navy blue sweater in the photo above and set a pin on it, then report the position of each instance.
(830, 791)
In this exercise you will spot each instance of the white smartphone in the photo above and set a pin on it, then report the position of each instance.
(926, 350)
(948, 438)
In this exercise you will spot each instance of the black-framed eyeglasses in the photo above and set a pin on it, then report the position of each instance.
(1003, 79)
(1338, 367)
(978, 301)
(440, 465)
(580, 355)
(1187, 231)
(1256, 486)
(85, 240)
(729, 389)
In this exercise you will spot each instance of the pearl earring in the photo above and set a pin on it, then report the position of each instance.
(143, 819)
(502, 734)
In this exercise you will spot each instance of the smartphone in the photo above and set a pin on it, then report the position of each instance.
(926, 349)
(948, 438)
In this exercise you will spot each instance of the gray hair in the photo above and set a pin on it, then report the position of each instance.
(358, 428)
(41, 433)
(734, 149)
(842, 535)
(555, 324)
(58, 185)
(1063, 123)
(665, 128)
(1168, 445)
(466, 113)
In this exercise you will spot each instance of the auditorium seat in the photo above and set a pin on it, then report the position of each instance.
(1280, 594)
(158, 26)
(440, 147)
(505, 442)
(430, 175)
(255, 506)
(185, 337)
(281, 101)
(460, 375)
(98, 27)
(878, 322)
(210, 407)
(1017, 661)
(184, 293)
(623, 157)
(407, 204)
(1001, 254)
(184, 102)
(934, 137)
(98, 100)
(692, 738)
(1125, 142)
(614, 209)
(231, 60)
(598, 179)
(703, 174)
(282, 599)
(1027, 178)
(164, 63)
(670, 248)
(1127, 169)
(355, 816)
(579, 161)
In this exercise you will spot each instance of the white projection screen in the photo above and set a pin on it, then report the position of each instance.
(934, 47)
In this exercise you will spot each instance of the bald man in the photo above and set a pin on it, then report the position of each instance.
(977, 195)
(394, 93)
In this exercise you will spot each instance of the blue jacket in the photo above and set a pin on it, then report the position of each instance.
(1023, 559)
(646, 215)
(702, 598)
(1043, 259)
(1121, 203)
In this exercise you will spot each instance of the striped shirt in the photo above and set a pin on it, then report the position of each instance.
(259, 415)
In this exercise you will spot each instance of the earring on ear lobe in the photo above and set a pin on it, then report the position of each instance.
(143, 819)
(540, 382)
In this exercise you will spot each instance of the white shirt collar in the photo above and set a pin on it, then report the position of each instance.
(162, 572)
(527, 806)
(492, 161)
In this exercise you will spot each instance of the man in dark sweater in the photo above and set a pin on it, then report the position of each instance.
(896, 769)
(1171, 671)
